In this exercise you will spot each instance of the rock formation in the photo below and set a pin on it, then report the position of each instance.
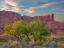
(27, 19)
(47, 17)
(8, 17)
(55, 27)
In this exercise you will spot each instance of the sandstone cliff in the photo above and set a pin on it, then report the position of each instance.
(8, 17)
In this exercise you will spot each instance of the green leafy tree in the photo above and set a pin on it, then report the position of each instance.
(22, 32)
(18, 29)
(17, 26)
(7, 29)
(39, 30)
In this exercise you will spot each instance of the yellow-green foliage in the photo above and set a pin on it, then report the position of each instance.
(39, 30)
(21, 31)
(7, 27)
(12, 32)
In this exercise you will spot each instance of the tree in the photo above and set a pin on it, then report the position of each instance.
(7, 29)
(17, 26)
(39, 30)
(22, 32)
(18, 29)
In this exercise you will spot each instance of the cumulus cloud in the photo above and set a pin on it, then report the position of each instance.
(31, 10)
(4, 6)
(11, 8)
(11, 2)
(15, 9)
(34, 9)
(11, 5)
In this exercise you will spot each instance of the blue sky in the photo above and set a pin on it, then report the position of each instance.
(35, 7)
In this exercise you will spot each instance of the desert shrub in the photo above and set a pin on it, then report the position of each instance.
(60, 44)
(39, 43)
(1, 43)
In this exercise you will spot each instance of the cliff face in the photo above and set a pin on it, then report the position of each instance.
(55, 27)
(27, 19)
(46, 18)
(8, 17)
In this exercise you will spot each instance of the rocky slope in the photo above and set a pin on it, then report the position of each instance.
(56, 28)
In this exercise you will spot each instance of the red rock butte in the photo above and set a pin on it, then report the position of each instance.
(9, 17)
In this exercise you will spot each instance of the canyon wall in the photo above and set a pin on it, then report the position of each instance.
(8, 17)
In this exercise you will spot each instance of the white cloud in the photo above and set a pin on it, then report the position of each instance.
(10, 5)
(11, 2)
(46, 5)
(16, 9)
(13, 5)
(34, 9)
(4, 6)
(31, 10)
(13, 8)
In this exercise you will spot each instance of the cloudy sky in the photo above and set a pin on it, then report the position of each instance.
(35, 7)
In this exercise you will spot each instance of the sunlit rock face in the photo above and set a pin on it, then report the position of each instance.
(8, 17)
(47, 17)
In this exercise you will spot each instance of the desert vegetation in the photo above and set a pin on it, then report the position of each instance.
(19, 34)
